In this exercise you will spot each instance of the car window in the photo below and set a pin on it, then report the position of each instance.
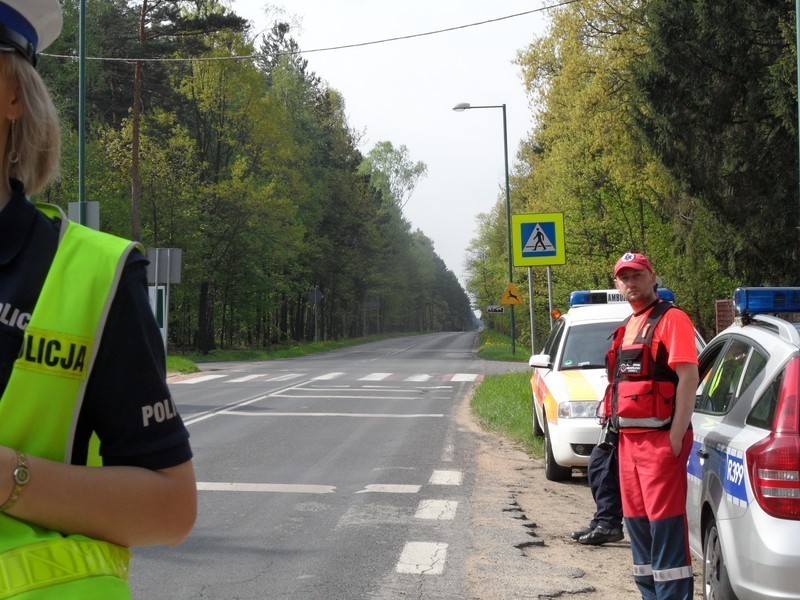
(586, 345)
(707, 361)
(763, 412)
(720, 387)
(755, 366)
(551, 345)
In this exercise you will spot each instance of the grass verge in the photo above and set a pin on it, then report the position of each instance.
(502, 404)
(496, 346)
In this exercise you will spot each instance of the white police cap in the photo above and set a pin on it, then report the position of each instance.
(29, 26)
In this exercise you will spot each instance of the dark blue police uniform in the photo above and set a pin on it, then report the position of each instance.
(129, 374)
(603, 475)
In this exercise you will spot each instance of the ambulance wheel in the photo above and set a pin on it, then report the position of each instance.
(552, 470)
(716, 584)
(537, 428)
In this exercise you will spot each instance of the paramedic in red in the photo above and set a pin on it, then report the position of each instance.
(654, 446)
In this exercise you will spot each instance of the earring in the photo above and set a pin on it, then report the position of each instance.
(13, 155)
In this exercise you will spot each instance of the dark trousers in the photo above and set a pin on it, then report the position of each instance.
(603, 473)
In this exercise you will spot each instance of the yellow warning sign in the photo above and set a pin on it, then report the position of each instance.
(511, 295)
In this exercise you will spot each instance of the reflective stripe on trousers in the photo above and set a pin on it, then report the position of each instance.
(56, 562)
(663, 574)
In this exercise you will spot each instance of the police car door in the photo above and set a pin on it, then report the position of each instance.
(716, 469)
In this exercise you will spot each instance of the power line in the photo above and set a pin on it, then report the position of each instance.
(328, 49)
(436, 32)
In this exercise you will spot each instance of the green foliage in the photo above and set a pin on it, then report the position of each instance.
(502, 404)
(180, 364)
(720, 108)
(614, 95)
(250, 167)
(392, 172)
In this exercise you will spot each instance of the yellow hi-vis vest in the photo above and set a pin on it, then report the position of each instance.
(39, 413)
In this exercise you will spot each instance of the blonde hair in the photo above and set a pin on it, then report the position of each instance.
(36, 135)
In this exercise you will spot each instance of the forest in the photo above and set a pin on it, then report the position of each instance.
(202, 138)
(662, 127)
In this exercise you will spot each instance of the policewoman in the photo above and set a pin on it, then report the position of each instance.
(652, 368)
(94, 458)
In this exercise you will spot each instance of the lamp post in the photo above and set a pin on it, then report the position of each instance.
(467, 106)
(82, 114)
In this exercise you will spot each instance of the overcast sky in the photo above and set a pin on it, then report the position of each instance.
(404, 91)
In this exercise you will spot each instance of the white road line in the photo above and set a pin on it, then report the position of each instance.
(200, 379)
(327, 376)
(420, 377)
(438, 510)
(238, 413)
(388, 388)
(245, 378)
(290, 488)
(446, 478)
(464, 377)
(344, 397)
(287, 377)
(426, 558)
(375, 377)
(390, 488)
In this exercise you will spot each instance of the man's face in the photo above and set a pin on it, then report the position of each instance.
(636, 285)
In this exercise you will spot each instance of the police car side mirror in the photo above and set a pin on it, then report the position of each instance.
(541, 361)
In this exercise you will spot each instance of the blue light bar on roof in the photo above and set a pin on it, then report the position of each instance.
(583, 297)
(752, 300)
(666, 294)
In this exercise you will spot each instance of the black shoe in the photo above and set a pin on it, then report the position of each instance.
(576, 535)
(601, 535)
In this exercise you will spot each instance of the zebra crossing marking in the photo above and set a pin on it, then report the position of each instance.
(446, 478)
(245, 378)
(437, 510)
(202, 379)
(422, 558)
(416, 378)
(375, 377)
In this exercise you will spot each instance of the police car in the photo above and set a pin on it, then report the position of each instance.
(743, 504)
(569, 378)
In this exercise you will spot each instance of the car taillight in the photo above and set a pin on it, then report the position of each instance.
(775, 461)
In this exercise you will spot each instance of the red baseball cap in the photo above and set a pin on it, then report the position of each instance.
(630, 260)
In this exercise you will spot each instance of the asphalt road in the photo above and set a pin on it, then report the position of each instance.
(338, 475)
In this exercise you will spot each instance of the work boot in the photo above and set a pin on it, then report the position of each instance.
(576, 535)
(601, 535)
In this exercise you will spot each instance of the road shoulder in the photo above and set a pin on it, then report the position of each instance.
(521, 524)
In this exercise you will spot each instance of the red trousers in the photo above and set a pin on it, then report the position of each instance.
(653, 482)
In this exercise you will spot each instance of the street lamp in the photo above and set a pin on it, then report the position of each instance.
(461, 107)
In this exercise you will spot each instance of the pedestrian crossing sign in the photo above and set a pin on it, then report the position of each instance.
(538, 239)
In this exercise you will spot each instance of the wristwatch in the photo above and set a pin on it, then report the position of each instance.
(21, 476)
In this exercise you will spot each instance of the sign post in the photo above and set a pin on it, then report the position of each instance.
(164, 267)
(538, 240)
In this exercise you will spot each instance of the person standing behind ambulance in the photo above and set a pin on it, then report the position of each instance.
(653, 374)
(93, 456)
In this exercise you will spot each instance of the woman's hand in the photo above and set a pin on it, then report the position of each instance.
(129, 506)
